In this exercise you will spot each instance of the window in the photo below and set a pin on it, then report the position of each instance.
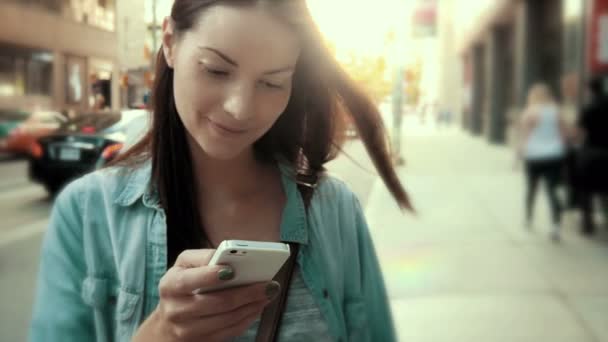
(572, 48)
(75, 79)
(25, 71)
(39, 72)
(7, 75)
(98, 13)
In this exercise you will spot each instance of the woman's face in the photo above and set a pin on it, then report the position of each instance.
(232, 76)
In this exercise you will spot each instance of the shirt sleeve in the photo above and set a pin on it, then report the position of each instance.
(59, 312)
(374, 291)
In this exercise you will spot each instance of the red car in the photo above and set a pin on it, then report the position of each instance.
(39, 124)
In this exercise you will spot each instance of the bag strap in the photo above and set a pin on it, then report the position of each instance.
(271, 317)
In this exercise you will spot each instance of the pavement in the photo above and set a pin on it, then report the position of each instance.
(464, 268)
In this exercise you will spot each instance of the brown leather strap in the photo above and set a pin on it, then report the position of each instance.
(271, 317)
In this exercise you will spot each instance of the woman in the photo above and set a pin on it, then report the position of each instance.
(543, 149)
(246, 101)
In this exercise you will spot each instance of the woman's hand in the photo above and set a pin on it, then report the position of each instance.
(216, 316)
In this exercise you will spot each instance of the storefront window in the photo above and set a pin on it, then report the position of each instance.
(98, 13)
(38, 73)
(75, 79)
(573, 35)
(25, 71)
(54, 6)
(100, 83)
(154, 12)
(7, 76)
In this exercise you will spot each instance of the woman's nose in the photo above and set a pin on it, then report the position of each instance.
(239, 102)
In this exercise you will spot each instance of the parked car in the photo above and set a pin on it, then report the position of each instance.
(9, 119)
(83, 145)
(23, 134)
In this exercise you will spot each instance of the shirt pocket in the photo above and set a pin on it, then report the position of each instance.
(114, 308)
(356, 320)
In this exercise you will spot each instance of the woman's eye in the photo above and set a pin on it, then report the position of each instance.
(217, 72)
(271, 85)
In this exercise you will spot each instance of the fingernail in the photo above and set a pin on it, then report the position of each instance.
(225, 273)
(272, 289)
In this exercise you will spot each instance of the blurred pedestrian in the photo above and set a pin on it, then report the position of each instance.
(247, 108)
(444, 118)
(542, 148)
(593, 157)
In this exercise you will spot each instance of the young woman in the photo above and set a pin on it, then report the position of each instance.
(248, 106)
(543, 148)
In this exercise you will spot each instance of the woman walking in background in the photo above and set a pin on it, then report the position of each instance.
(542, 146)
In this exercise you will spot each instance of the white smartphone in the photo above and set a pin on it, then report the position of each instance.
(252, 261)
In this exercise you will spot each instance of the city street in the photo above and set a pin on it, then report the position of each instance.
(24, 209)
(468, 81)
(462, 269)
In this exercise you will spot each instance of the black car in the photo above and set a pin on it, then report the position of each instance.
(82, 145)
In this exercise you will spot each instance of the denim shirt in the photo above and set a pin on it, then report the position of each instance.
(105, 251)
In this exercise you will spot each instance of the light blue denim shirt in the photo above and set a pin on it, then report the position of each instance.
(106, 249)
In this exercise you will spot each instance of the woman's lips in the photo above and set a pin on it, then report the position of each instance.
(225, 129)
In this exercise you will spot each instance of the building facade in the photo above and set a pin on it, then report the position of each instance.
(58, 55)
(510, 45)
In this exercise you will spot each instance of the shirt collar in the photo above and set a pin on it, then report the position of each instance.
(294, 222)
(136, 183)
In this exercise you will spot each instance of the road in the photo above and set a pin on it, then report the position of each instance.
(24, 209)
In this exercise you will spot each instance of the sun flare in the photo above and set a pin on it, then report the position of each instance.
(357, 26)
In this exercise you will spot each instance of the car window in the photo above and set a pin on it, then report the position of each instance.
(126, 120)
(136, 129)
(91, 122)
(49, 117)
(55, 118)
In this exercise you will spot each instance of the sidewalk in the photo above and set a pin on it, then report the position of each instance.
(465, 269)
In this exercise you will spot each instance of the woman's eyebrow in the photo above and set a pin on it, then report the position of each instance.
(220, 54)
(230, 61)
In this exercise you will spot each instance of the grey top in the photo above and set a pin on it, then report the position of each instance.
(302, 319)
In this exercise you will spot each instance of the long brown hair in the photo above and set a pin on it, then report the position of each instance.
(311, 129)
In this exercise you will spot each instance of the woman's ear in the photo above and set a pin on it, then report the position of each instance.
(168, 41)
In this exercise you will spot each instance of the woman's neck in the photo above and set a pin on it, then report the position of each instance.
(228, 180)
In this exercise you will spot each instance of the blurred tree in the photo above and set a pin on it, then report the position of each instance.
(370, 72)
(411, 79)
